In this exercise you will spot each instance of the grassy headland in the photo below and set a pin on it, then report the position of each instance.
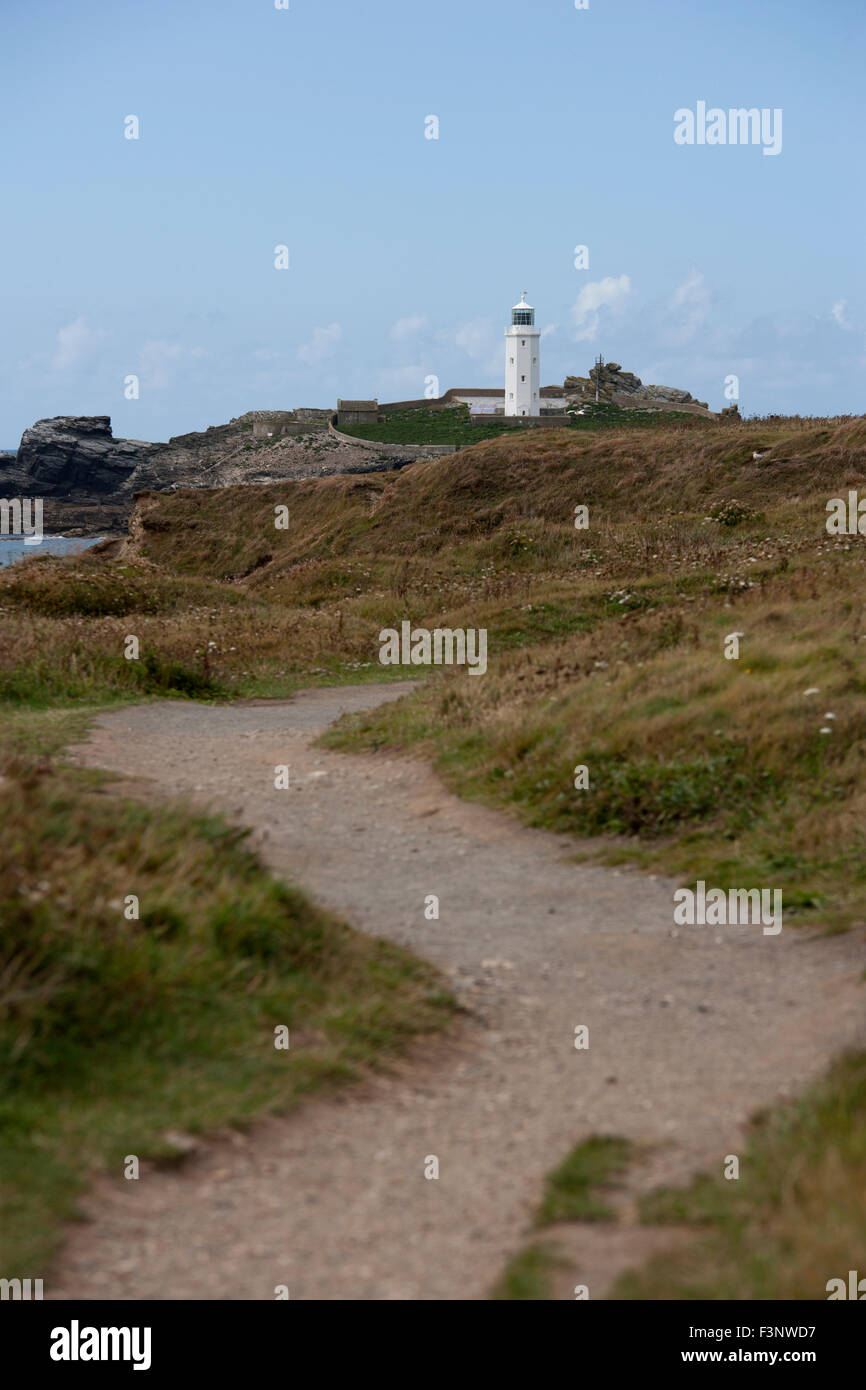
(606, 649)
(606, 644)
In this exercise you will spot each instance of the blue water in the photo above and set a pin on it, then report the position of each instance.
(13, 547)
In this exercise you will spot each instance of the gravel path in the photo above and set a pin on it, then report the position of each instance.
(691, 1029)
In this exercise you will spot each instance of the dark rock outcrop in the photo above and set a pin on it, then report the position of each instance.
(76, 455)
(87, 479)
(625, 388)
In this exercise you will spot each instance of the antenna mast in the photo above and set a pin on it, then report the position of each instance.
(599, 363)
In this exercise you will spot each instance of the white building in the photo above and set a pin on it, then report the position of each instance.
(521, 361)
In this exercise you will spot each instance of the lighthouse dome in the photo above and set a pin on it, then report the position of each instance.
(522, 314)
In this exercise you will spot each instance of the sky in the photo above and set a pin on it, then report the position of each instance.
(142, 277)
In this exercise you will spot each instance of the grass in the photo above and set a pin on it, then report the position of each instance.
(114, 1030)
(794, 1218)
(696, 765)
(572, 1192)
(606, 645)
(527, 1276)
(606, 650)
(452, 425)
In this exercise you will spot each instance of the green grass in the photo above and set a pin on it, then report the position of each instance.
(527, 1276)
(43, 732)
(451, 425)
(793, 1219)
(572, 1192)
(114, 1030)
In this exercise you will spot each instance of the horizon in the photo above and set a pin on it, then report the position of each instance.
(609, 184)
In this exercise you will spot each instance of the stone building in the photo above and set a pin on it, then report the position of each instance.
(357, 413)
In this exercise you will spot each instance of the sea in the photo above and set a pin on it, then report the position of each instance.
(14, 548)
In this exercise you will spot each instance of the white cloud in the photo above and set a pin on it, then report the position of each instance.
(74, 342)
(549, 329)
(840, 314)
(693, 290)
(688, 308)
(409, 327)
(321, 344)
(609, 293)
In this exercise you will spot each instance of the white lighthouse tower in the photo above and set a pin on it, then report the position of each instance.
(521, 361)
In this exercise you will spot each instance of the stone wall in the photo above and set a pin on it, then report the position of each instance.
(434, 403)
(273, 429)
(253, 415)
(551, 421)
(452, 397)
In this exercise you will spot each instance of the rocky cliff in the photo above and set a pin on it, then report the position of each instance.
(87, 478)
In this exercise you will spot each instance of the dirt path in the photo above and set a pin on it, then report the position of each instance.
(690, 1030)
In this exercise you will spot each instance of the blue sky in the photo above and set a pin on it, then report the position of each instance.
(305, 127)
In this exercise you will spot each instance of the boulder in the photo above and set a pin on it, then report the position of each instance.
(668, 393)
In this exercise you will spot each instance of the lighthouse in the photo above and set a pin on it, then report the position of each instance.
(521, 361)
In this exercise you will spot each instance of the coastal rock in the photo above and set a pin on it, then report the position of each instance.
(616, 386)
(667, 393)
(88, 479)
(77, 455)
